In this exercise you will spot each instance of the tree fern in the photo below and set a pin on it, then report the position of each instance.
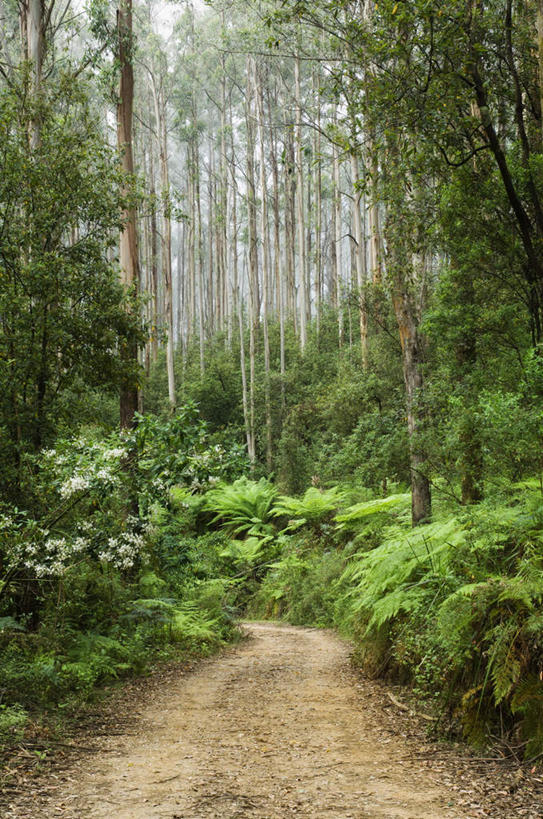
(244, 506)
(360, 511)
(315, 507)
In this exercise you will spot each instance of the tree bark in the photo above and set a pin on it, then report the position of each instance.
(337, 261)
(166, 238)
(302, 266)
(265, 233)
(360, 260)
(129, 259)
(413, 357)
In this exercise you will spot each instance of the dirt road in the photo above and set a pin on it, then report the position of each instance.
(275, 728)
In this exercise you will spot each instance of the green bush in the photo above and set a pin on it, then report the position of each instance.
(244, 507)
(13, 720)
(315, 508)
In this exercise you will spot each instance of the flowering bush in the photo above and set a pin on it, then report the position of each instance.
(85, 486)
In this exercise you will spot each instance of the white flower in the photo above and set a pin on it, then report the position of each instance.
(112, 454)
(75, 484)
(105, 475)
(80, 544)
(55, 545)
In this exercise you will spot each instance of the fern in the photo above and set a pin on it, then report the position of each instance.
(360, 511)
(243, 507)
(246, 553)
(315, 507)
(527, 701)
(10, 624)
(396, 576)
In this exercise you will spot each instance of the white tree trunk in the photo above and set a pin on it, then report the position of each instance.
(302, 266)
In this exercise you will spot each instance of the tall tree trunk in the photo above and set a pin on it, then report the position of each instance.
(265, 233)
(413, 358)
(162, 132)
(471, 451)
(408, 253)
(290, 222)
(191, 295)
(223, 171)
(360, 259)
(233, 222)
(337, 224)
(129, 260)
(33, 21)
(180, 290)
(249, 429)
(302, 266)
(317, 184)
(277, 266)
(155, 317)
(372, 171)
(254, 301)
(539, 25)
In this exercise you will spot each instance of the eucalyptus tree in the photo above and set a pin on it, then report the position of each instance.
(153, 57)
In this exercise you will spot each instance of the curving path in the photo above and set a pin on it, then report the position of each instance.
(275, 728)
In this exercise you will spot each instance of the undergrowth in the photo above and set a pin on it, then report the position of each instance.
(453, 608)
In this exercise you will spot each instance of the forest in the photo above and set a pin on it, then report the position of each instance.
(271, 345)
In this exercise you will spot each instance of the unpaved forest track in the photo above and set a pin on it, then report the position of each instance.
(274, 728)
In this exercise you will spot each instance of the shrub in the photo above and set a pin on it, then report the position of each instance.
(313, 509)
(244, 507)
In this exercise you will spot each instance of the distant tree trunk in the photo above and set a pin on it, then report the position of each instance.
(254, 300)
(233, 243)
(155, 308)
(212, 285)
(265, 233)
(360, 259)
(162, 132)
(317, 183)
(290, 221)
(191, 294)
(372, 171)
(249, 430)
(33, 16)
(129, 260)
(279, 295)
(199, 255)
(300, 219)
(337, 236)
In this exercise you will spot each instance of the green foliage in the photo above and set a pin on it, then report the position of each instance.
(246, 554)
(314, 508)
(400, 574)
(244, 506)
(360, 511)
(13, 720)
(454, 607)
(301, 587)
(63, 308)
